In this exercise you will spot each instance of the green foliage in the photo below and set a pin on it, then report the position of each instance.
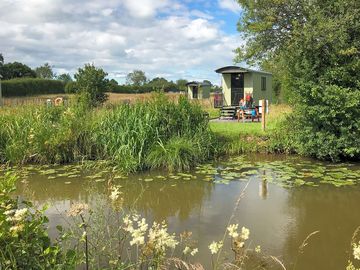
(136, 78)
(91, 85)
(313, 48)
(45, 72)
(181, 84)
(24, 241)
(124, 135)
(65, 77)
(28, 86)
(16, 70)
(71, 87)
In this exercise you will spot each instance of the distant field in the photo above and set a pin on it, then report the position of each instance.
(113, 98)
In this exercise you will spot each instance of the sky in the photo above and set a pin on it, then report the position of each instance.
(173, 39)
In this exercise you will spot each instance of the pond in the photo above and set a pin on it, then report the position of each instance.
(285, 199)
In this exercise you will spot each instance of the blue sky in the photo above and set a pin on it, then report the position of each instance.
(167, 38)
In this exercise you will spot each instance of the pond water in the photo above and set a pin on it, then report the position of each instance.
(285, 199)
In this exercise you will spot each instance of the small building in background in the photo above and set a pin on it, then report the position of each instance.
(198, 90)
(238, 82)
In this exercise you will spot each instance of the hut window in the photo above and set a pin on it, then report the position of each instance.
(263, 83)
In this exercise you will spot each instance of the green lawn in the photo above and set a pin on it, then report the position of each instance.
(232, 129)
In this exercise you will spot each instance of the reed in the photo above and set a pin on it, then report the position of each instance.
(123, 134)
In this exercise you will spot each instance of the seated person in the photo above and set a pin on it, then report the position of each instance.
(255, 114)
(242, 105)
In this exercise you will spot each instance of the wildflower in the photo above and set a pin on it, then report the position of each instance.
(245, 233)
(187, 250)
(233, 230)
(17, 228)
(115, 193)
(194, 251)
(257, 249)
(20, 214)
(356, 251)
(77, 209)
(160, 238)
(137, 232)
(9, 212)
(215, 247)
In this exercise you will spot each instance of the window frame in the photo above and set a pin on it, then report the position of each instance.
(263, 83)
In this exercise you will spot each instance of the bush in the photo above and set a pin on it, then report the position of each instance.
(28, 86)
(24, 240)
(327, 125)
(71, 88)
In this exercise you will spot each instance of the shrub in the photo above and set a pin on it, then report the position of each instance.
(327, 125)
(71, 88)
(91, 85)
(28, 86)
(24, 240)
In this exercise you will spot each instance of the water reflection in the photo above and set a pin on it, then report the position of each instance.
(279, 218)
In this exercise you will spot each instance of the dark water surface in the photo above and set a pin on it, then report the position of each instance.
(286, 199)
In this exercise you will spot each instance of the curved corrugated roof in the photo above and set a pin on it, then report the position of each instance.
(237, 69)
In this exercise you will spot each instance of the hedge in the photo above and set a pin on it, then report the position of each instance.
(29, 86)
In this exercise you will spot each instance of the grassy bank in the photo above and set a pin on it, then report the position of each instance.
(156, 133)
(238, 137)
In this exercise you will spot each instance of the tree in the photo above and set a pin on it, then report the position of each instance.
(65, 77)
(207, 81)
(45, 72)
(16, 70)
(314, 49)
(158, 83)
(1, 59)
(91, 84)
(181, 84)
(136, 78)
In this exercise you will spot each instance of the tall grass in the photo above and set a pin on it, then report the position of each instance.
(124, 134)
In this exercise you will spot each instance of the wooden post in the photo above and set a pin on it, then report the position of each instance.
(263, 113)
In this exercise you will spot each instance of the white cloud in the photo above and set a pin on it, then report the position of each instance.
(231, 5)
(165, 38)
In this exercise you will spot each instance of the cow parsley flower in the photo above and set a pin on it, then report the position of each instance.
(356, 251)
(186, 250)
(215, 247)
(245, 233)
(233, 230)
(257, 249)
(160, 238)
(194, 251)
(115, 193)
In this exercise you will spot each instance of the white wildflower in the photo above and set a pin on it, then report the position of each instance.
(241, 244)
(138, 231)
(9, 212)
(215, 247)
(187, 250)
(16, 229)
(20, 214)
(257, 249)
(115, 193)
(245, 233)
(160, 238)
(233, 230)
(356, 251)
(194, 251)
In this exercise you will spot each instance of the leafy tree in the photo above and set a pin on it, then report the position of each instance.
(159, 83)
(16, 70)
(65, 77)
(112, 84)
(181, 84)
(45, 72)
(1, 59)
(207, 81)
(136, 78)
(91, 84)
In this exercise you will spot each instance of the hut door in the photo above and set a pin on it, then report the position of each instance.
(195, 92)
(237, 88)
